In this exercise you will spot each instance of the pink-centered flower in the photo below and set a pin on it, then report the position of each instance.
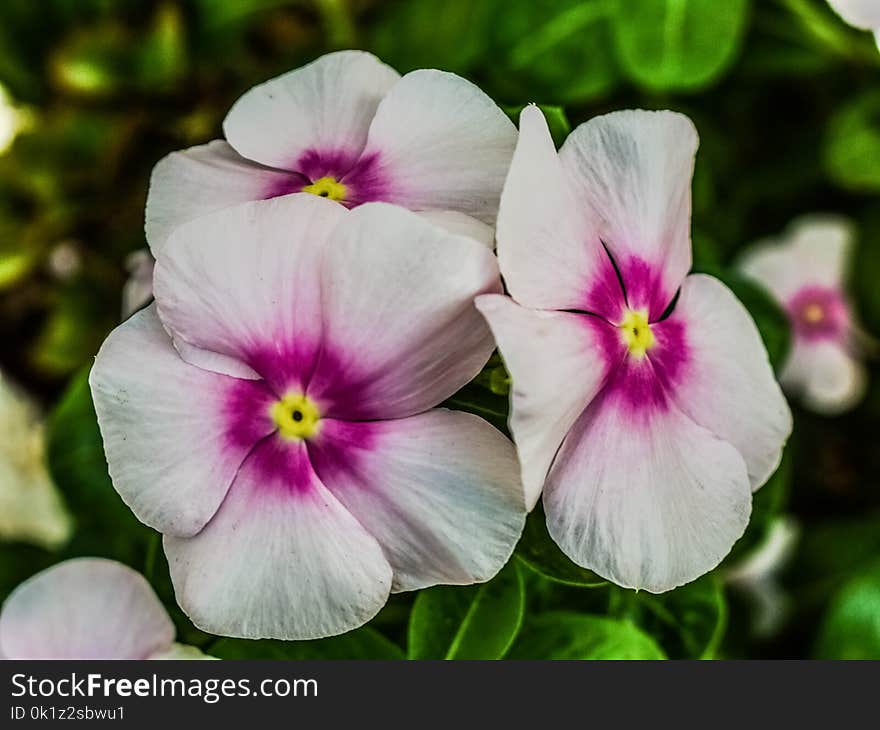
(88, 608)
(349, 128)
(272, 414)
(805, 272)
(643, 403)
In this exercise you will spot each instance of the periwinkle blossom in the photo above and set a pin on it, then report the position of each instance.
(805, 272)
(31, 509)
(349, 128)
(643, 403)
(272, 414)
(88, 608)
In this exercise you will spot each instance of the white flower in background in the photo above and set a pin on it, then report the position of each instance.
(758, 576)
(643, 403)
(138, 289)
(30, 507)
(13, 120)
(88, 608)
(348, 128)
(805, 271)
(273, 415)
(863, 14)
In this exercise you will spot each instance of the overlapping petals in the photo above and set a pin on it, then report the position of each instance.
(648, 419)
(295, 351)
(805, 271)
(348, 127)
(87, 608)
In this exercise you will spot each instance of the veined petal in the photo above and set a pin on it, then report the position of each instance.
(729, 387)
(86, 608)
(281, 559)
(327, 105)
(440, 492)
(815, 250)
(647, 499)
(461, 225)
(400, 330)
(548, 249)
(826, 375)
(174, 434)
(186, 185)
(244, 282)
(443, 144)
(632, 170)
(556, 369)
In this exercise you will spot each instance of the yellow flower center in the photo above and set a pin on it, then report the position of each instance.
(296, 416)
(636, 333)
(327, 187)
(813, 313)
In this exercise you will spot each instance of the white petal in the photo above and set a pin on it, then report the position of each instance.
(440, 492)
(548, 250)
(729, 387)
(461, 225)
(87, 608)
(282, 558)
(863, 14)
(326, 105)
(166, 427)
(443, 144)
(647, 500)
(829, 378)
(186, 185)
(398, 314)
(633, 170)
(551, 357)
(246, 280)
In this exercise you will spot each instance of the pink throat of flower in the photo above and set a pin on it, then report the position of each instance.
(818, 313)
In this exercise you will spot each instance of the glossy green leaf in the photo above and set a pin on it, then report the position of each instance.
(851, 628)
(569, 635)
(678, 44)
(538, 551)
(852, 144)
(362, 643)
(468, 622)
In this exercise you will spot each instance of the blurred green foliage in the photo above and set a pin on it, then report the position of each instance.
(785, 98)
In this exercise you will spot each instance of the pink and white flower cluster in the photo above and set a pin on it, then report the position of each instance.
(323, 284)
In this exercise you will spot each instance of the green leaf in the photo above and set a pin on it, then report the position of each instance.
(569, 635)
(768, 315)
(479, 400)
(852, 144)
(538, 551)
(851, 628)
(678, 44)
(362, 643)
(468, 622)
(105, 526)
(555, 51)
(690, 621)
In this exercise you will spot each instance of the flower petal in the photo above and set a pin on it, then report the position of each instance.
(830, 380)
(86, 608)
(174, 435)
(186, 185)
(633, 170)
(729, 387)
(461, 225)
(552, 360)
(281, 559)
(814, 250)
(244, 282)
(548, 250)
(863, 14)
(326, 105)
(440, 492)
(400, 331)
(647, 499)
(443, 144)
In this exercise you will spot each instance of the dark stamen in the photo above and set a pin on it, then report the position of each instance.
(297, 415)
(323, 194)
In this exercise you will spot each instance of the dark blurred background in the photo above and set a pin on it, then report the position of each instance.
(787, 102)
